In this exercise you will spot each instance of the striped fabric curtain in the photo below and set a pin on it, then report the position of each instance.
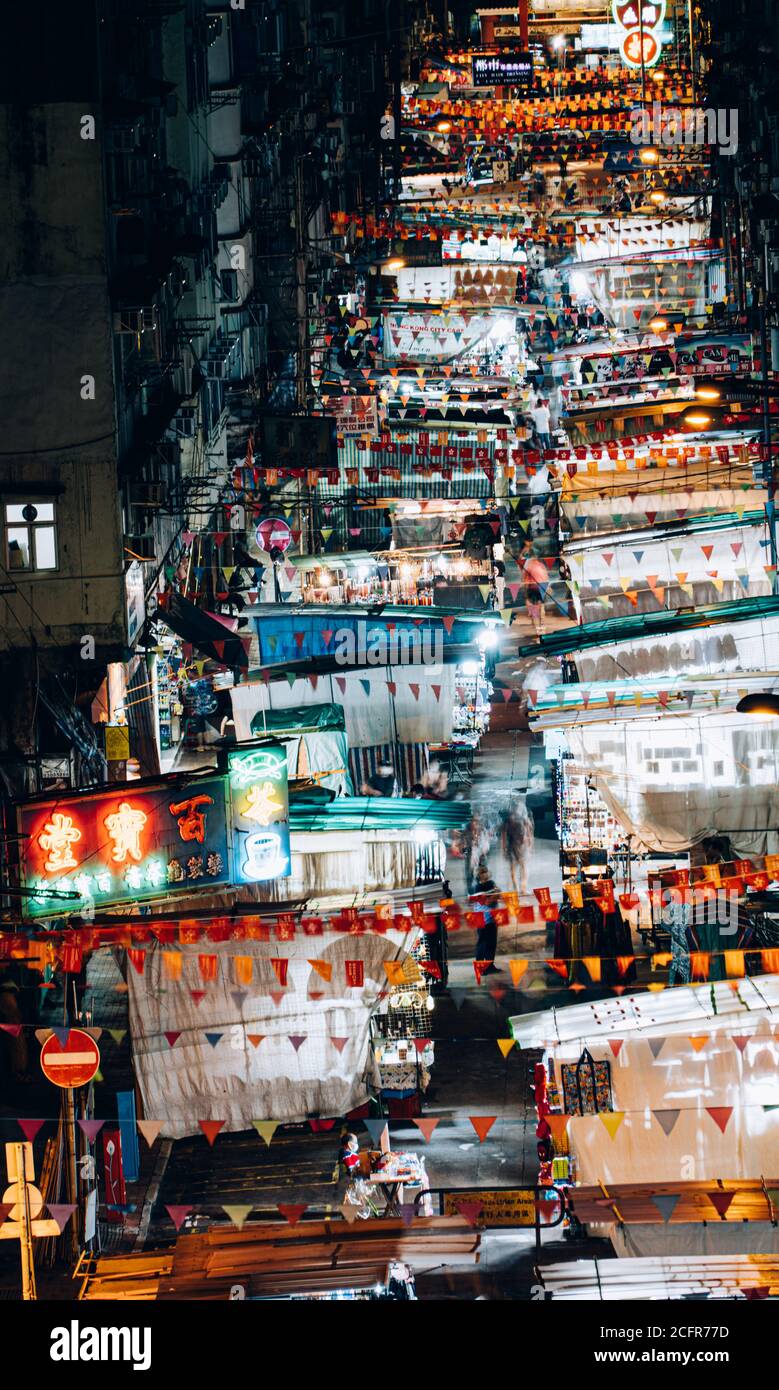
(410, 761)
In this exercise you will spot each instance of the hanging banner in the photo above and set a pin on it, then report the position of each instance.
(503, 70)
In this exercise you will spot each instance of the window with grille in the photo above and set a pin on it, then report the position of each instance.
(30, 536)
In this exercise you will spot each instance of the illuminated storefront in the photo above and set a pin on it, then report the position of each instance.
(147, 841)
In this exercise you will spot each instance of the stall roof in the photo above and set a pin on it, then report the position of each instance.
(637, 625)
(389, 612)
(660, 1277)
(673, 1011)
(379, 813)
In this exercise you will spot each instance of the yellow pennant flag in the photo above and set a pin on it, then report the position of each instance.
(734, 964)
(655, 989)
(517, 968)
(505, 1045)
(612, 1121)
(323, 968)
(266, 1129)
(593, 964)
(238, 1214)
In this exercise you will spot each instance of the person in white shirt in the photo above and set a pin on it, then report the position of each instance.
(542, 421)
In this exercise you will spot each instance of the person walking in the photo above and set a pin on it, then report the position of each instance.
(542, 422)
(517, 839)
(487, 935)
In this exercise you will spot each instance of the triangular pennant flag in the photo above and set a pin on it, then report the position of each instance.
(741, 1041)
(323, 968)
(482, 1124)
(266, 1129)
(505, 1045)
(297, 1040)
(470, 1210)
(5, 1210)
(376, 1129)
(197, 995)
(426, 1127)
(172, 1038)
(666, 1119)
(178, 1215)
(720, 1115)
(61, 1212)
(292, 1211)
(214, 1038)
(13, 1028)
(666, 1203)
(118, 1034)
(61, 1034)
(612, 1121)
(338, 1043)
(255, 1038)
(238, 1214)
(656, 1046)
(211, 1128)
(698, 1042)
(238, 996)
(721, 1201)
(407, 1212)
(518, 969)
(90, 1128)
(349, 1212)
(30, 1128)
(558, 1124)
(616, 1045)
(149, 1129)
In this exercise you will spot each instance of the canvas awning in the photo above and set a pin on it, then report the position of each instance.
(634, 626)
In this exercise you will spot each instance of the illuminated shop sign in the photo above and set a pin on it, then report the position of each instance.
(147, 841)
(503, 70)
(260, 808)
(640, 23)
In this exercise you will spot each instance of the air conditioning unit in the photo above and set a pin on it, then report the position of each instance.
(185, 422)
(139, 548)
(150, 495)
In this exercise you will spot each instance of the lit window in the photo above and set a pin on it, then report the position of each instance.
(30, 536)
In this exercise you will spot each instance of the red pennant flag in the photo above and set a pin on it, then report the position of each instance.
(13, 1028)
(720, 1115)
(721, 1202)
(616, 1045)
(178, 1215)
(560, 967)
(172, 1038)
(198, 995)
(280, 965)
(292, 1211)
(470, 1210)
(482, 1124)
(211, 1128)
(30, 1128)
(338, 1043)
(479, 967)
(448, 623)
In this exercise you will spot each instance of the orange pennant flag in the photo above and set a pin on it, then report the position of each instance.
(517, 968)
(426, 1127)
(593, 964)
(171, 964)
(698, 1042)
(211, 1128)
(323, 968)
(394, 971)
(558, 1124)
(482, 1124)
(244, 968)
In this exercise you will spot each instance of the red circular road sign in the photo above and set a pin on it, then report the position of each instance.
(273, 534)
(72, 1063)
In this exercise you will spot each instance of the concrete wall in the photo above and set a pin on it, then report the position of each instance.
(56, 329)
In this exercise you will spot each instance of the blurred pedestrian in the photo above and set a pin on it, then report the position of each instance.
(487, 935)
(517, 839)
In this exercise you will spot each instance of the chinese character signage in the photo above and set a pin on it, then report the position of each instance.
(503, 70)
(137, 842)
(639, 23)
(258, 795)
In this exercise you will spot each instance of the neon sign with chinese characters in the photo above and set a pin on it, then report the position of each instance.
(640, 23)
(260, 808)
(130, 843)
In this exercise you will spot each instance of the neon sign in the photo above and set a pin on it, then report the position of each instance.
(258, 782)
(640, 22)
(147, 841)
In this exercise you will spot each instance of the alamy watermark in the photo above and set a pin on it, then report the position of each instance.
(716, 908)
(382, 646)
(670, 126)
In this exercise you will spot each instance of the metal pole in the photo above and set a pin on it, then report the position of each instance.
(692, 49)
(770, 472)
(641, 40)
(25, 1221)
(70, 1151)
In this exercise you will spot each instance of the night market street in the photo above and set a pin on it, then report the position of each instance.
(389, 616)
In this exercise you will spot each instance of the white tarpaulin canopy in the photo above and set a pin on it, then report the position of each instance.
(281, 1079)
(373, 717)
(739, 1081)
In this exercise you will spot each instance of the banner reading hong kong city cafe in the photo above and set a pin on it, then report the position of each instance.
(145, 839)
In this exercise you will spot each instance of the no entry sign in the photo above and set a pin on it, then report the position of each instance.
(273, 534)
(71, 1063)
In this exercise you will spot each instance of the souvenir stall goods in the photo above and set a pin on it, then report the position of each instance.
(412, 576)
(472, 708)
(593, 936)
(583, 821)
